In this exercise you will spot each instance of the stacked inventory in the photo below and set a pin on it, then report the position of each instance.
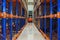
(12, 18)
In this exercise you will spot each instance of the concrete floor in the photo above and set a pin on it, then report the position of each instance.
(30, 32)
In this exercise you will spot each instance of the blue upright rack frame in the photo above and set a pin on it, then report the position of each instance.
(4, 20)
(10, 20)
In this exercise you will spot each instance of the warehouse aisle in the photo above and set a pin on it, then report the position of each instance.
(30, 32)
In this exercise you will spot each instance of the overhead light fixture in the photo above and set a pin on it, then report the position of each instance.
(30, 0)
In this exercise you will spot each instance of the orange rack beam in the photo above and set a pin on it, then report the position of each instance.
(5, 15)
(50, 16)
(1, 15)
(18, 34)
(47, 38)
